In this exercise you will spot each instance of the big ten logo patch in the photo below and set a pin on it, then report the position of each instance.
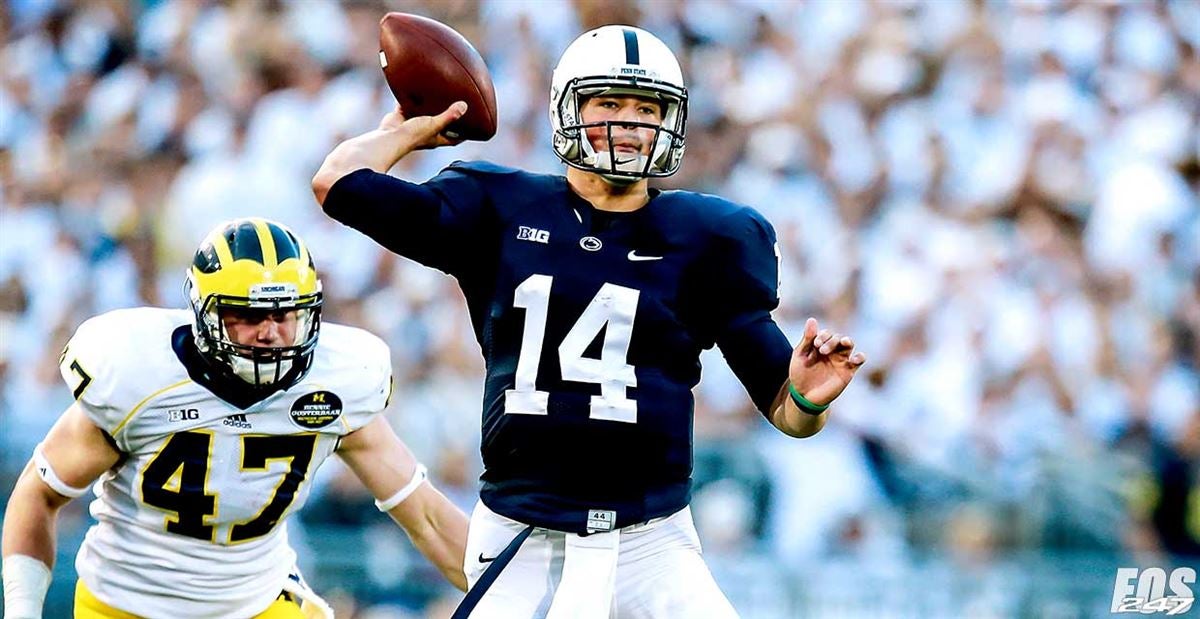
(183, 414)
(316, 410)
(525, 233)
(1145, 591)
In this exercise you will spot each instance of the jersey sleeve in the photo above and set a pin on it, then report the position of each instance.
(372, 375)
(430, 223)
(88, 367)
(744, 270)
(745, 281)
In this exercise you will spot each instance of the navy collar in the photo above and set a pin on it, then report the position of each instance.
(219, 380)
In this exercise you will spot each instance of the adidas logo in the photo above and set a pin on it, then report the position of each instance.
(237, 421)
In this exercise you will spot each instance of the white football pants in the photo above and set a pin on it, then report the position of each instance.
(659, 572)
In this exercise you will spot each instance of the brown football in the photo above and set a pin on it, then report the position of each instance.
(429, 66)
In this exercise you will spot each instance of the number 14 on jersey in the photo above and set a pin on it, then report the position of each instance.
(612, 309)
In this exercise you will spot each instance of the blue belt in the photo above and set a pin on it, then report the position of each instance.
(490, 575)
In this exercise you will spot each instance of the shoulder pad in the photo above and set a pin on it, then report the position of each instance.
(713, 213)
(479, 169)
(357, 366)
(116, 359)
(482, 167)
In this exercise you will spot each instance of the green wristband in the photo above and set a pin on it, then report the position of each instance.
(803, 404)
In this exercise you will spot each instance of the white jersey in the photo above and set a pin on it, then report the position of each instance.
(190, 519)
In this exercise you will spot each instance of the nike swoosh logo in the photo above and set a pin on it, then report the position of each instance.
(633, 255)
(483, 559)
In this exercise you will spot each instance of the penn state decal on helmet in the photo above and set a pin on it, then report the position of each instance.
(618, 60)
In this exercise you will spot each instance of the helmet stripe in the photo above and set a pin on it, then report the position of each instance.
(632, 55)
(263, 233)
(243, 241)
(285, 246)
(305, 255)
(221, 243)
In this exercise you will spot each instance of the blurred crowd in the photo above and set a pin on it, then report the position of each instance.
(999, 200)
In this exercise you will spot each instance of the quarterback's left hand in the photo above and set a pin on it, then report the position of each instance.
(823, 363)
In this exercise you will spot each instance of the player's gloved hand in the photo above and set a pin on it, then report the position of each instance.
(423, 132)
(823, 364)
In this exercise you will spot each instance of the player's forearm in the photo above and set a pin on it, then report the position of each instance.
(29, 521)
(28, 546)
(789, 419)
(378, 150)
(438, 529)
(388, 469)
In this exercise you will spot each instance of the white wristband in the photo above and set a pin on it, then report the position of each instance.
(46, 472)
(26, 581)
(387, 504)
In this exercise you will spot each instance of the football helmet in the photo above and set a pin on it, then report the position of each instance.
(618, 60)
(259, 265)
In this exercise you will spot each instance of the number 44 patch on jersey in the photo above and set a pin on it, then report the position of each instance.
(599, 520)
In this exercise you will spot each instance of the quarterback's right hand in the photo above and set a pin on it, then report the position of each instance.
(380, 149)
(423, 132)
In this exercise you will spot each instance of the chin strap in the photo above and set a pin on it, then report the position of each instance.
(619, 181)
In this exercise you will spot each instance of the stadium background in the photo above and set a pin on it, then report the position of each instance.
(999, 200)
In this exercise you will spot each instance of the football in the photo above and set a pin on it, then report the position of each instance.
(429, 66)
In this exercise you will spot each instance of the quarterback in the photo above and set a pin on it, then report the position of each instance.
(592, 296)
(205, 429)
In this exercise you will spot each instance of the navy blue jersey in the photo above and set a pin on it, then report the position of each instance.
(591, 324)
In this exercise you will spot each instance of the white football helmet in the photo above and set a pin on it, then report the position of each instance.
(618, 60)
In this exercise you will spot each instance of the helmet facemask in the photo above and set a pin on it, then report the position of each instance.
(260, 366)
(618, 60)
(574, 148)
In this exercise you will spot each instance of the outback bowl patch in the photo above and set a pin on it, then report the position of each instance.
(316, 410)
